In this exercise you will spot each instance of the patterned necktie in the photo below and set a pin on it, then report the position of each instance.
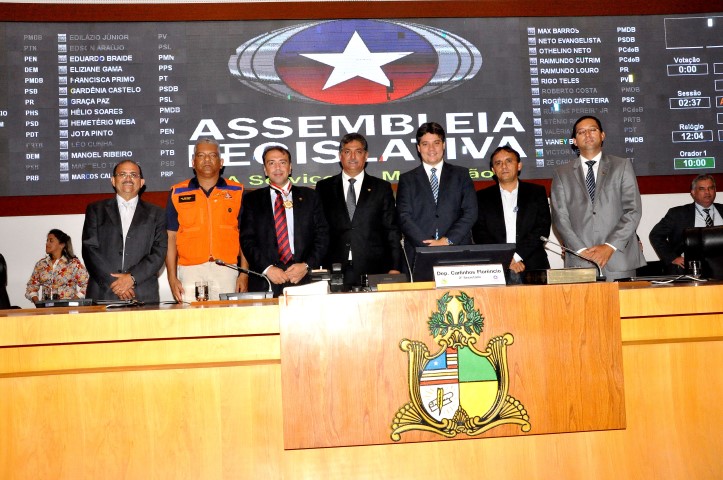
(590, 180)
(282, 232)
(351, 198)
(434, 183)
(708, 220)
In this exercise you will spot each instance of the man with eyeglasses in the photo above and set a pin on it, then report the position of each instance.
(596, 206)
(204, 215)
(124, 241)
(667, 236)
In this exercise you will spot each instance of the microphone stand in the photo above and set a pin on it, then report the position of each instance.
(600, 276)
(269, 292)
(406, 259)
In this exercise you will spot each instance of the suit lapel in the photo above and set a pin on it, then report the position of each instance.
(423, 181)
(602, 175)
(300, 213)
(690, 216)
(140, 215)
(340, 199)
(364, 194)
(578, 175)
(496, 211)
(522, 202)
(267, 210)
(111, 209)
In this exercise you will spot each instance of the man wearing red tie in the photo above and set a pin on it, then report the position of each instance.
(283, 230)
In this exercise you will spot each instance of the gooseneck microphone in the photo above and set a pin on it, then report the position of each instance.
(600, 276)
(247, 272)
(406, 259)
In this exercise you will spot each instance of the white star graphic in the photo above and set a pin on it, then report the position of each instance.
(356, 61)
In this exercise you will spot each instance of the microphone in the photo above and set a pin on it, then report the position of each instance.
(600, 276)
(247, 272)
(406, 259)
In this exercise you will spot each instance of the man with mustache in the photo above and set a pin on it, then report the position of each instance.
(124, 241)
(203, 215)
(360, 211)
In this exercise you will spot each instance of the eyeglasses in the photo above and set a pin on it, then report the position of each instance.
(124, 175)
(585, 131)
(204, 156)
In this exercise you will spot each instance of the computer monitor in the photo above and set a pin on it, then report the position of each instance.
(426, 258)
(705, 244)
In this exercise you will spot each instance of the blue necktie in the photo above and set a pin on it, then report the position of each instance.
(434, 183)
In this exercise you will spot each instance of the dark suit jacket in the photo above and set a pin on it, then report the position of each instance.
(452, 216)
(373, 236)
(145, 248)
(533, 221)
(667, 236)
(258, 233)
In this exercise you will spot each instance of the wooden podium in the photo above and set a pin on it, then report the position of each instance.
(344, 376)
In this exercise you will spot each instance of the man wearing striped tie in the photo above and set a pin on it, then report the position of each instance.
(284, 233)
(436, 202)
(667, 236)
(596, 205)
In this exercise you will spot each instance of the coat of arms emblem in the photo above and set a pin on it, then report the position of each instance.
(458, 389)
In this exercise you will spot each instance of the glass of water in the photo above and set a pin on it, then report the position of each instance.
(201, 291)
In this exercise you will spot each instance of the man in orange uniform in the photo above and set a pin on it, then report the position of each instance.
(203, 216)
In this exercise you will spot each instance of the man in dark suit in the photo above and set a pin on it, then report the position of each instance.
(124, 241)
(283, 230)
(436, 202)
(596, 205)
(667, 236)
(513, 212)
(359, 209)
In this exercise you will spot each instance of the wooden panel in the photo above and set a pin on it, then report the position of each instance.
(672, 329)
(225, 423)
(95, 324)
(664, 300)
(344, 375)
(65, 358)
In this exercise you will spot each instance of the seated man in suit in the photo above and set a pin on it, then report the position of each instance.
(283, 230)
(124, 241)
(364, 236)
(436, 202)
(513, 212)
(667, 236)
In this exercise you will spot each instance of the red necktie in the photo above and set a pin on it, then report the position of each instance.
(282, 232)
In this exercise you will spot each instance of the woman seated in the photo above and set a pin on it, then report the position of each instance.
(60, 273)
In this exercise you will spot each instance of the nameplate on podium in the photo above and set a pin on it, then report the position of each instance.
(556, 276)
(469, 275)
